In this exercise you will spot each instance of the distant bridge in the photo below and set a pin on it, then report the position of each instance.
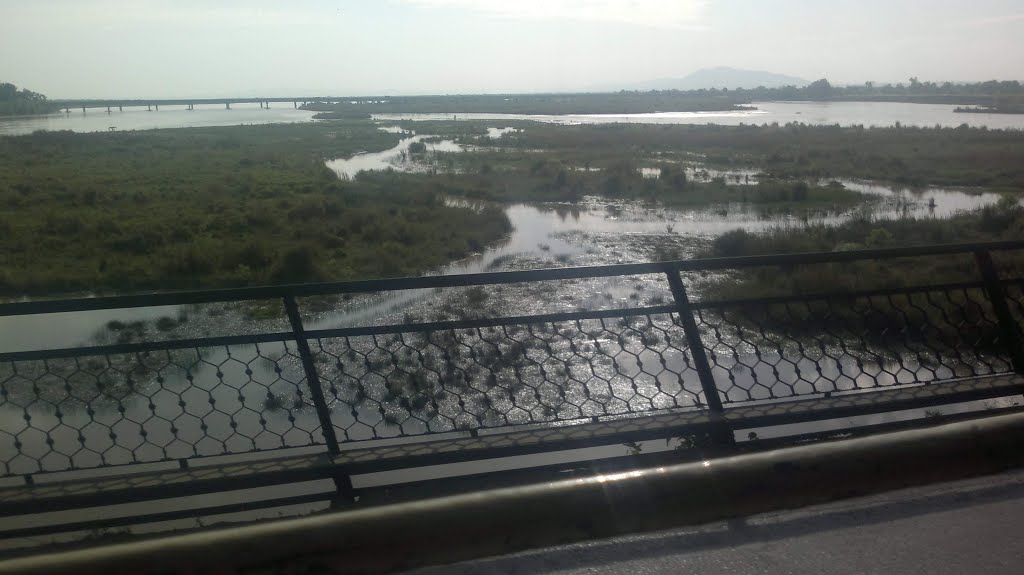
(188, 103)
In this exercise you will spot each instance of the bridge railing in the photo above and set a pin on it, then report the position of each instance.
(129, 401)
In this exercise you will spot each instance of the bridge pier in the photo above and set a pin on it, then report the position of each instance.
(108, 109)
(191, 107)
(295, 104)
(149, 107)
(120, 108)
(157, 107)
(227, 105)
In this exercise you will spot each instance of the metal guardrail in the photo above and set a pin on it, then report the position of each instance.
(396, 538)
(135, 402)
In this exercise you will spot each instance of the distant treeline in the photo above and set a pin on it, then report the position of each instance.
(991, 94)
(912, 91)
(15, 102)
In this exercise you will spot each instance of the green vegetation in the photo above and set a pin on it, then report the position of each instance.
(15, 102)
(914, 91)
(1002, 221)
(551, 181)
(234, 206)
(210, 207)
(877, 320)
(915, 156)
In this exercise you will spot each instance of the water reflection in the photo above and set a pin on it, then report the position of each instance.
(98, 120)
(822, 113)
(399, 157)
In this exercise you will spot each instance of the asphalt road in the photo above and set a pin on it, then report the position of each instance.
(971, 526)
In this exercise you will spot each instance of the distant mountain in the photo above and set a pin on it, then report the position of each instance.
(721, 77)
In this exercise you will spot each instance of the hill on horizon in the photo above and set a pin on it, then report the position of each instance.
(718, 78)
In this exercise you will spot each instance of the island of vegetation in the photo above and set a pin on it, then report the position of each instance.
(1001, 106)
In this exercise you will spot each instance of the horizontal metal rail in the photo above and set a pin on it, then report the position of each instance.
(404, 536)
(367, 286)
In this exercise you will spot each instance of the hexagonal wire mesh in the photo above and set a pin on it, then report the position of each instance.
(74, 409)
(1015, 301)
(90, 411)
(439, 380)
(793, 347)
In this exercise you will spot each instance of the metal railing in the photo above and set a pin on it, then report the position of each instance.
(400, 537)
(127, 402)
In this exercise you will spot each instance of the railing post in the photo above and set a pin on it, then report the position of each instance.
(722, 434)
(1008, 331)
(312, 377)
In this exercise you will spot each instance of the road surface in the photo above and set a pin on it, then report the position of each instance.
(971, 526)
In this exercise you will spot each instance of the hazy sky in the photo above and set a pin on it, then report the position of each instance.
(197, 48)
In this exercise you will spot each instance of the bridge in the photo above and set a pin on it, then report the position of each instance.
(503, 399)
(187, 103)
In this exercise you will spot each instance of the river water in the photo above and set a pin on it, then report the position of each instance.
(824, 113)
(98, 120)
(843, 113)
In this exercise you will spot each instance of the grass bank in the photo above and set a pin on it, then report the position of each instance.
(215, 207)
(1002, 221)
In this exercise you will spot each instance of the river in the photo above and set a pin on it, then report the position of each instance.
(822, 113)
(843, 113)
(99, 120)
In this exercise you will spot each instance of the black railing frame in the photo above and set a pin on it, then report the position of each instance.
(287, 294)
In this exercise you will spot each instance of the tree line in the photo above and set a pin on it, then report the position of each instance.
(15, 102)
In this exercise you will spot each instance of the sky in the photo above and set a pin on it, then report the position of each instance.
(207, 48)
